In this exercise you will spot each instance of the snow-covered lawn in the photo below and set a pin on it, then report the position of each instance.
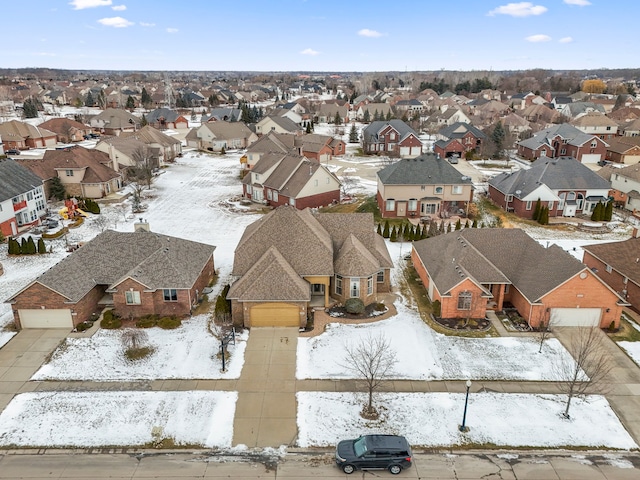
(432, 420)
(188, 352)
(632, 349)
(423, 354)
(95, 419)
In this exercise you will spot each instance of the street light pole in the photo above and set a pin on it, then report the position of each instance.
(463, 428)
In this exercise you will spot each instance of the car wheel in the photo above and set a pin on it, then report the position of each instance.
(348, 469)
(395, 469)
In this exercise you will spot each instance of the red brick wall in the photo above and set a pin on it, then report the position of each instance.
(615, 280)
(449, 304)
(320, 200)
(5, 227)
(38, 295)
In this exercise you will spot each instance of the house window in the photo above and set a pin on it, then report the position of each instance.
(563, 151)
(170, 295)
(561, 202)
(506, 288)
(275, 196)
(392, 136)
(354, 289)
(464, 300)
(338, 285)
(391, 205)
(292, 202)
(370, 285)
(29, 196)
(594, 144)
(456, 189)
(551, 205)
(508, 198)
(571, 196)
(132, 297)
(68, 173)
(269, 196)
(439, 190)
(423, 187)
(608, 268)
(380, 277)
(580, 201)
(249, 189)
(413, 205)
(528, 205)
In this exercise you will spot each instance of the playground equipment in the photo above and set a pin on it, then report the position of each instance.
(71, 210)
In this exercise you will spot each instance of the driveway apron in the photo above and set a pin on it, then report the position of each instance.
(22, 356)
(266, 408)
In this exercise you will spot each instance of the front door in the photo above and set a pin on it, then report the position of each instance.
(402, 209)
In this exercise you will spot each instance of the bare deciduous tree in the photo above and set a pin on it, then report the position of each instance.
(372, 361)
(587, 371)
(347, 184)
(543, 332)
(140, 174)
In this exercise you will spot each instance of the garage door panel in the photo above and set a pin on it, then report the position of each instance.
(275, 315)
(46, 318)
(591, 158)
(576, 317)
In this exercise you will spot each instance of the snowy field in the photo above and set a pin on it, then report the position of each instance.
(423, 354)
(97, 419)
(188, 352)
(432, 420)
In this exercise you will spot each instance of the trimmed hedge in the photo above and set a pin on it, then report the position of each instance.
(148, 321)
(354, 306)
(169, 323)
(110, 321)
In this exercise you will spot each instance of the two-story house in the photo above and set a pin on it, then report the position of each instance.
(394, 138)
(627, 181)
(465, 134)
(22, 200)
(595, 123)
(422, 186)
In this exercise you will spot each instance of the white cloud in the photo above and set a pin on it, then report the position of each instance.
(580, 3)
(538, 38)
(115, 22)
(172, 30)
(119, 8)
(146, 24)
(309, 51)
(365, 32)
(566, 40)
(82, 4)
(521, 9)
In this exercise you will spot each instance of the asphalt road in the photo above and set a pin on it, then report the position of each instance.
(502, 465)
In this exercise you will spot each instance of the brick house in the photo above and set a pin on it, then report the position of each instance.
(394, 138)
(422, 186)
(114, 121)
(468, 135)
(289, 179)
(66, 130)
(624, 150)
(163, 118)
(561, 141)
(335, 256)
(618, 265)
(134, 273)
(564, 185)
(474, 270)
(22, 136)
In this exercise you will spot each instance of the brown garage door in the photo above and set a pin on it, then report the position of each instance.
(275, 315)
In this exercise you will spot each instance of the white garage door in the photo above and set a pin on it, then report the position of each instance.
(405, 151)
(575, 317)
(591, 158)
(631, 159)
(47, 318)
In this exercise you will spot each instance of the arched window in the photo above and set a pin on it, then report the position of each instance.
(464, 300)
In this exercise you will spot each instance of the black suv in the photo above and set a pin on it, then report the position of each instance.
(369, 452)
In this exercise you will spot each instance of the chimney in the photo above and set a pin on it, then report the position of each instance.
(141, 226)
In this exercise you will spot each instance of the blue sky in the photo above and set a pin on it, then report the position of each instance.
(320, 35)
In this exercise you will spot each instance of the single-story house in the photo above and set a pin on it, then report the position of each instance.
(114, 121)
(564, 185)
(474, 270)
(334, 257)
(216, 136)
(67, 130)
(22, 136)
(618, 265)
(134, 273)
(163, 118)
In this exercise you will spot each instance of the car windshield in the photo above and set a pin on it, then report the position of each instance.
(360, 447)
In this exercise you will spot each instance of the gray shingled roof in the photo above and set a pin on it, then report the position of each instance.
(571, 134)
(561, 173)
(486, 255)
(427, 169)
(459, 130)
(167, 114)
(156, 261)
(370, 134)
(16, 179)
